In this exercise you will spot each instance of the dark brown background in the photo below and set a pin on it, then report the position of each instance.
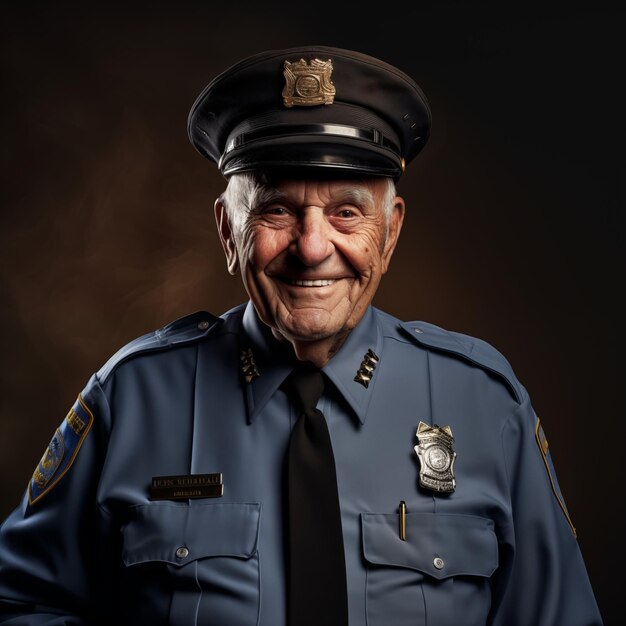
(514, 231)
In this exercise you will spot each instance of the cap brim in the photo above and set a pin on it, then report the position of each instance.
(310, 154)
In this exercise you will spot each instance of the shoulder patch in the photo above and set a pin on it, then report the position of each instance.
(470, 349)
(181, 331)
(542, 442)
(61, 451)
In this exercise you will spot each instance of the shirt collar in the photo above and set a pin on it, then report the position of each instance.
(275, 361)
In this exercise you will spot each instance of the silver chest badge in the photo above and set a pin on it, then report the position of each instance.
(436, 455)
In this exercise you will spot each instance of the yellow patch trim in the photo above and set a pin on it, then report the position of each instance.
(542, 442)
(32, 501)
(74, 421)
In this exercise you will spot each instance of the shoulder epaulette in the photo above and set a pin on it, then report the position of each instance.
(179, 332)
(470, 349)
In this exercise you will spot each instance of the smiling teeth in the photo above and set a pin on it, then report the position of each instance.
(312, 283)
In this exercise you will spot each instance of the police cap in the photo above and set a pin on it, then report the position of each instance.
(311, 109)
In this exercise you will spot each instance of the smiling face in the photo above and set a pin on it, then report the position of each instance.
(311, 254)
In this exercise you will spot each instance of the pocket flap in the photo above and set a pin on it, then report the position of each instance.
(440, 545)
(181, 533)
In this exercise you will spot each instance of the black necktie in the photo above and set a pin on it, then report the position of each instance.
(317, 570)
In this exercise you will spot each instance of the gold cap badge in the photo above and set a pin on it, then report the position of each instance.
(308, 84)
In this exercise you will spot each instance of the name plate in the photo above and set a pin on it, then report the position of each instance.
(186, 487)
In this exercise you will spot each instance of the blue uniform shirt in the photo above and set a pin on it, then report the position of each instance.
(89, 544)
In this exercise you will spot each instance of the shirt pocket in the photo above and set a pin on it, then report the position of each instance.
(438, 576)
(191, 564)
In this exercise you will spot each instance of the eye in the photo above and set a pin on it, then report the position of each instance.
(274, 210)
(345, 213)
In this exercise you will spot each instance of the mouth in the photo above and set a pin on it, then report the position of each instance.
(311, 283)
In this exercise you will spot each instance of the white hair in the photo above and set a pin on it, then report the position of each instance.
(249, 190)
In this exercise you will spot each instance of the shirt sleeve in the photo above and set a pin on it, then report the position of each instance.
(51, 565)
(542, 579)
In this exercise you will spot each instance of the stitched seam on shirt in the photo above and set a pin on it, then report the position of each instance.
(193, 412)
(258, 578)
(195, 621)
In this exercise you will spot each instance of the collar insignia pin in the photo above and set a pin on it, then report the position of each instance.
(248, 366)
(308, 84)
(436, 456)
(365, 372)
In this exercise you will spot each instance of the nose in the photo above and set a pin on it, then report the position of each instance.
(313, 241)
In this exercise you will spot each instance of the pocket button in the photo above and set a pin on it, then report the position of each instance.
(438, 563)
(182, 553)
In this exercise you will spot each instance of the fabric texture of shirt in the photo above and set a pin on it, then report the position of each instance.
(88, 545)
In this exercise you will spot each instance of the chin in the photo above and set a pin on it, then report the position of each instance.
(315, 327)
(310, 327)
(306, 332)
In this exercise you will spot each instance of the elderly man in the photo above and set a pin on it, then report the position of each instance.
(304, 458)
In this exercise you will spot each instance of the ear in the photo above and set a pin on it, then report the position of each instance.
(226, 236)
(396, 220)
